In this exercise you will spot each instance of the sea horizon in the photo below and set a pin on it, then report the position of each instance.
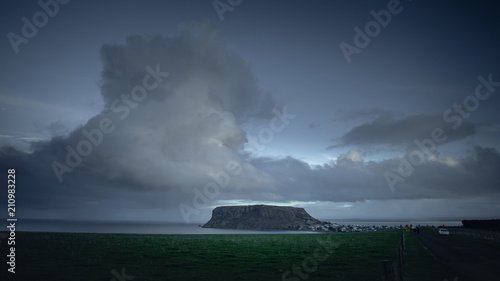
(166, 227)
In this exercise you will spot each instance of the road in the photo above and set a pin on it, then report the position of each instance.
(470, 260)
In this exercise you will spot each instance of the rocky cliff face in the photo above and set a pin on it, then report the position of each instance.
(260, 217)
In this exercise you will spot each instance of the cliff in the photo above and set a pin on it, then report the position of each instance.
(260, 217)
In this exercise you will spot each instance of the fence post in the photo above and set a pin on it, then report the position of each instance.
(388, 270)
(403, 240)
(400, 263)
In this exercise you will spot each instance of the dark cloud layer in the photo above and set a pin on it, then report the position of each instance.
(187, 131)
(198, 55)
(162, 145)
(370, 113)
(387, 130)
(351, 178)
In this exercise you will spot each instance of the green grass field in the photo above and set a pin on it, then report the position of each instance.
(336, 256)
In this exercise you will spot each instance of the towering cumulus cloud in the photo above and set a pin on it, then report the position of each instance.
(169, 145)
(172, 112)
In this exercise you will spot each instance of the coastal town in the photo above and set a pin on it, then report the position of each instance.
(326, 226)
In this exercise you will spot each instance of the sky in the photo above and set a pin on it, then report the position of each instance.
(164, 110)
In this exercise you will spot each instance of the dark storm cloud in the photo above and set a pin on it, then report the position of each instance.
(185, 132)
(351, 178)
(56, 128)
(313, 125)
(370, 113)
(160, 147)
(471, 176)
(490, 127)
(198, 53)
(386, 130)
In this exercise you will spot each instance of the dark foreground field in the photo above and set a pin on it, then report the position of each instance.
(119, 257)
(471, 258)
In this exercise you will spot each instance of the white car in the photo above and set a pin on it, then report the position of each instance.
(444, 231)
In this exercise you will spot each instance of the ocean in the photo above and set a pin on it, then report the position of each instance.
(400, 222)
(141, 227)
